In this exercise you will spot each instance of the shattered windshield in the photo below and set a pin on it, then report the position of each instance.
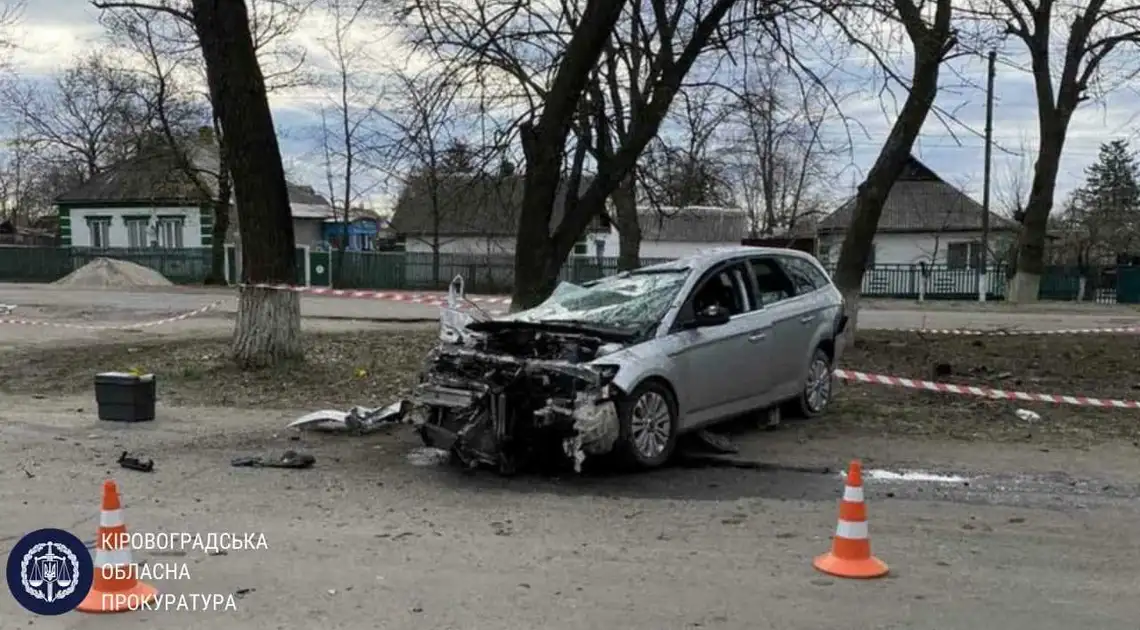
(630, 301)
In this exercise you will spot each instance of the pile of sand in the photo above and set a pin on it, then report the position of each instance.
(110, 273)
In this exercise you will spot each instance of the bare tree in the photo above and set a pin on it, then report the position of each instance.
(269, 321)
(10, 15)
(89, 118)
(181, 115)
(775, 149)
(684, 168)
(932, 38)
(165, 39)
(552, 54)
(18, 161)
(423, 151)
(1087, 61)
(1011, 184)
(346, 123)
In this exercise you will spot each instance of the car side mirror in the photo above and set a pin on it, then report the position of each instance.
(713, 315)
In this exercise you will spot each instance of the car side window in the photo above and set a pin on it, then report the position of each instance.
(816, 274)
(800, 273)
(772, 285)
(726, 288)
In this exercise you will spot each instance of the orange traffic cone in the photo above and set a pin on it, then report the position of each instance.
(116, 587)
(850, 554)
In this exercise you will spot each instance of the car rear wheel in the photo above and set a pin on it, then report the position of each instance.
(648, 423)
(816, 394)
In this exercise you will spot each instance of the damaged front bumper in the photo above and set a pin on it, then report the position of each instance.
(500, 410)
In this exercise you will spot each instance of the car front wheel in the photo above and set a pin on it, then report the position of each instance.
(816, 394)
(648, 424)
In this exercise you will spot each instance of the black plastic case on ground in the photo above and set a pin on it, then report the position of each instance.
(124, 397)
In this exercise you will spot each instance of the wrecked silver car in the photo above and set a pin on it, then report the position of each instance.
(626, 364)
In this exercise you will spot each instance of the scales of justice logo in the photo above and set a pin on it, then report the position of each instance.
(49, 571)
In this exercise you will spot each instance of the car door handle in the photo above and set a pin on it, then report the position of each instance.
(807, 319)
(758, 337)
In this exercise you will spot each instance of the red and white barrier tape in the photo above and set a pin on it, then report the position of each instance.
(1022, 333)
(440, 299)
(432, 299)
(151, 324)
(984, 392)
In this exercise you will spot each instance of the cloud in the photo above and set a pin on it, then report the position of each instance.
(53, 32)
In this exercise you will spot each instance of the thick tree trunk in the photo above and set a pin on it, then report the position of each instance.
(628, 227)
(536, 263)
(873, 192)
(268, 327)
(1025, 286)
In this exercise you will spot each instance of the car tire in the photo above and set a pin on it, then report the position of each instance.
(643, 415)
(818, 388)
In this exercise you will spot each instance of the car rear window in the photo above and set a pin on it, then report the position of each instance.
(806, 276)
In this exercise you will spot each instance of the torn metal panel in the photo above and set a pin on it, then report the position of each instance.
(359, 420)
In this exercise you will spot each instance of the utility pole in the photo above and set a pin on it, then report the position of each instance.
(984, 254)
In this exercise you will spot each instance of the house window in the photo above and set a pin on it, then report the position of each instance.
(963, 255)
(100, 228)
(582, 247)
(137, 231)
(170, 232)
(824, 255)
(360, 242)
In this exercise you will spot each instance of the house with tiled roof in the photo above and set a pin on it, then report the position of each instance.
(924, 220)
(478, 214)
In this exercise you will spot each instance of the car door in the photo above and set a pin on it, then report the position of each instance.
(717, 363)
(813, 306)
(777, 298)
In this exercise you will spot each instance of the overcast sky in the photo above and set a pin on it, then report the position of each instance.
(53, 32)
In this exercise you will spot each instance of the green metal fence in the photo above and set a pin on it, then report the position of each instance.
(495, 273)
(48, 264)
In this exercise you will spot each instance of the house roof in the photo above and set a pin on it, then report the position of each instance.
(921, 201)
(694, 224)
(466, 205)
(153, 175)
(488, 206)
(157, 176)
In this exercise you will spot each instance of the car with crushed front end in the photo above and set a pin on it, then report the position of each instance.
(624, 365)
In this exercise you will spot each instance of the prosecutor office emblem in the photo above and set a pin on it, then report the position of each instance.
(49, 572)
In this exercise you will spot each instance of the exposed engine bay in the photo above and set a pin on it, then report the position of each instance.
(505, 394)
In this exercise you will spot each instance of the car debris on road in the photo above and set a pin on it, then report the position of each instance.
(358, 420)
(135, 463)
(288, 459)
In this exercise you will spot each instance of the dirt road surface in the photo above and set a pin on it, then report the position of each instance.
(365, 539)
(1022, 536)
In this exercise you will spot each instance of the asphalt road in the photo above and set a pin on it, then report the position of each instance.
(366, 539)
(43, 301)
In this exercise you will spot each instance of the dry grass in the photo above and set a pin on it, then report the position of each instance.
(339, 371)
(1102, 366)
(194, 373)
